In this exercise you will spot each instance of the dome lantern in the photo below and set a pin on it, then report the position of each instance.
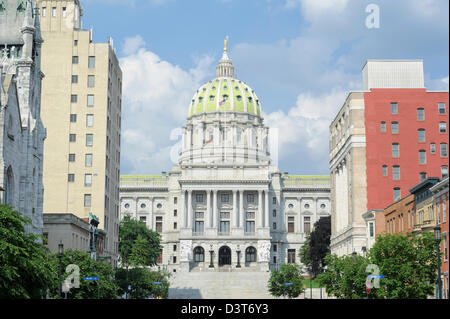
(225, 67)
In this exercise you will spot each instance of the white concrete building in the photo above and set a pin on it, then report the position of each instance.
(21, 130)
(225, 206)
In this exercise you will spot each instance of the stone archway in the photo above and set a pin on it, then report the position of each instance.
(224, 256)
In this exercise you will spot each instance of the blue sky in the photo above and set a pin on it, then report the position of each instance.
(301, 57)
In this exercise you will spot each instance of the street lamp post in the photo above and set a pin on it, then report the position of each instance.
(60, 254)
(437, 237)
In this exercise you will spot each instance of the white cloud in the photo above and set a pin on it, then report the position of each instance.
(156, 97)
(131, 45)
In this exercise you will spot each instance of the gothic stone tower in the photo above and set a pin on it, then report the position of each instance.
(22, 133)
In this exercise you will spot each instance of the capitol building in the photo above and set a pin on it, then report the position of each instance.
(225, 206)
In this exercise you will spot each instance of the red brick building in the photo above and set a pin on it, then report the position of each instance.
(440, 194)
(383, 141)
(406, 141)
(398, 217)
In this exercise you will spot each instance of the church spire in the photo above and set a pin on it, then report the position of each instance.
(225, 67)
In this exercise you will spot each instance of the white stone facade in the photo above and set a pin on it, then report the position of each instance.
(224, 197)
(22, 133)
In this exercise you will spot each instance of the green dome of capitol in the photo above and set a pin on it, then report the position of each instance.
(225, 93)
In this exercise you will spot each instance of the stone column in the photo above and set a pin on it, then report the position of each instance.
(241, 210)
(135, 207)
(151, 213)
(266, 209)
(260, 218)
(189, 215)
(183, 208)
(235, 215)
(215, 209)
(208, 209)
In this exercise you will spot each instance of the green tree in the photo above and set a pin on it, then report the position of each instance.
(305, 255)
(319, 244)
(25, 267)
(408, 265)
(142, 283)
(345, 277)
(138, 245)
(290, 274)
(103, 288)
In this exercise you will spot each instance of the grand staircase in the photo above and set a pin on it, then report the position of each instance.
(223, 284)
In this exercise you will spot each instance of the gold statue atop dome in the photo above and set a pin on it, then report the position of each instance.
(225, 44)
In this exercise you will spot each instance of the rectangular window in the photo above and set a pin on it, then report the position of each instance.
(383, 127)
(73, 118)
(444, 210)
(432, 148)
(307, 224)
(75, 59)
(175, 225)
(274, 213)
(250, 198)
(250, 215)
(438, 205)
(291, 256)
(396, 172)
(274, 200)
(443, 127)
(422, 157)
(75, 43)
(444, 241)
(444, 171)
(174, 247)
(397, 194)
(175, 200)
(394, 127)
(71, 178)
(91, 81)
(87, 200)
(88, 180)
(159, 221)
(421, 135)
(225, 198)
(198, 227)
(423, 176)
(91, 62)
(371, 232)
(444, 150)
(385, 170)
(442, 108)
(64, 12)
(291, 227)
(250, 227)
(394, 108)
(420, 114)
(89, 139)
(90, 100)
(224, 227)
(395, 150)
(72, 138)
(199, 198)
(274, 226)
(143, 219)
(74, 98)
(74, 78)
(71, 157)
(88, 160)
(175, 212)
(44, 11)
(89, 120)
(54, 12)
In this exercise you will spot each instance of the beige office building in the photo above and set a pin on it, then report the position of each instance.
(81, 109)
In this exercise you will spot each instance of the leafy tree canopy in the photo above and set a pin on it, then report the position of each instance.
(142, 283)
(290, 274)
(138, 245)
(26, 270)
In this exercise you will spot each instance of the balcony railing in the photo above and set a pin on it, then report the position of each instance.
(143, 181)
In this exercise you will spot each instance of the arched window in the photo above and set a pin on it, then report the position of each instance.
(9, 189)
(199, 254)
(250, 254)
